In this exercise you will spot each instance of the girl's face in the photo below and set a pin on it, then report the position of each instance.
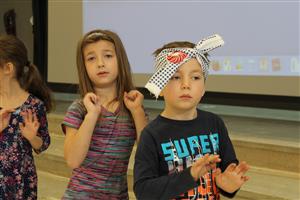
(101, 63)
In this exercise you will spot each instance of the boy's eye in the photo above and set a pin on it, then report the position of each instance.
(196, 77)
(175, 77)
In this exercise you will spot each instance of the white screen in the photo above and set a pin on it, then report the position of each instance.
(261, 38)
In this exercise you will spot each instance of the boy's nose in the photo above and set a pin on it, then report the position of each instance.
(185, 84)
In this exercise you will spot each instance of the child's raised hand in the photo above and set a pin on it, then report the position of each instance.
(92, 103)
(4, 118)
(133, 100)
(30, 126)
(233, 177)
(203, 165)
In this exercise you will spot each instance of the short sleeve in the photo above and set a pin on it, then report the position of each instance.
(74, 116)
(43, 132)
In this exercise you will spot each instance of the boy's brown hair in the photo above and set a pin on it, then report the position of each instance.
(177, 44)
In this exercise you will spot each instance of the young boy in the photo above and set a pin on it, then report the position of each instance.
(172, 159)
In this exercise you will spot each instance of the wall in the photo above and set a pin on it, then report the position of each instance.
(23, 10)
(64, 30)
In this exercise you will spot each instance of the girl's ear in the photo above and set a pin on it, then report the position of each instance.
(8, 68)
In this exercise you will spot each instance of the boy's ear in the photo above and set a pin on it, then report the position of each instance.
(161, 94)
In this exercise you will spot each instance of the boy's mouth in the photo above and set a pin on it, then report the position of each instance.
(185, 96)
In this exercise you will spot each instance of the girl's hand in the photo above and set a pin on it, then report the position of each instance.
(30, 126)
(203, 165)
(133, 100)
(92, 103)
(233, 177)
(4, 118)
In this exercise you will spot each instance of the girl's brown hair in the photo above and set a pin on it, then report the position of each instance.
(13, 50)
(124, 79)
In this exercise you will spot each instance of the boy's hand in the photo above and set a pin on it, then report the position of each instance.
(203, 165)
(233, 177)
(92, 103)
(133, 100)
(4, 118)
(30, 126)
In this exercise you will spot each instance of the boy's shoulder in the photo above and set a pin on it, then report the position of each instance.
(160, 122)
(202, 114)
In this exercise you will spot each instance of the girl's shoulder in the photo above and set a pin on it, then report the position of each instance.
(33, 102)
(77, 106)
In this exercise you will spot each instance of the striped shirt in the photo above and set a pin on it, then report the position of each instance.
(103, 173)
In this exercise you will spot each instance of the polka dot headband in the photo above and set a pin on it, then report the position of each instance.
(168, 61)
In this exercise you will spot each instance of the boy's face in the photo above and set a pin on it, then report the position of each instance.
(186, 87)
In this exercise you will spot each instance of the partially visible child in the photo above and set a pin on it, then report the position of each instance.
(24, 100)
(103, 126)
(171, 158)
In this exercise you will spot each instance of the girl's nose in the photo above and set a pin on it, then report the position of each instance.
(100, 63)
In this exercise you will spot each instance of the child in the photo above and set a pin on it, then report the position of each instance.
(24, 100)
(102, 127)
(169, 162)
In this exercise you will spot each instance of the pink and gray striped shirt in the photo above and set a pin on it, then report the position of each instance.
(103, 173)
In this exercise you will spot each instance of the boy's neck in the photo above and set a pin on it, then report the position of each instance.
(180, 114)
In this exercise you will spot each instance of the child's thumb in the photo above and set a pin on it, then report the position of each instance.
(217, 172)
(21, 125)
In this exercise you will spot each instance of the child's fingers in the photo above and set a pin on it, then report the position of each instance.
(37, 124)
(6, 112)
(129, 95)
(21, 125)
(30, 116)
(35, 119)
(242, 168)
(231, 167)
(245, 178)
(213, 159)
(202, 161)
(24, 116)
(217, 172)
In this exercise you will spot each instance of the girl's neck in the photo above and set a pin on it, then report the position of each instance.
(11, 94)
(107, 97)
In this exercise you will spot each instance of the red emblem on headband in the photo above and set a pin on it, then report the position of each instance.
(176, 57)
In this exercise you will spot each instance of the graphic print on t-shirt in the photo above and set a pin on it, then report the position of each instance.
(182, 153)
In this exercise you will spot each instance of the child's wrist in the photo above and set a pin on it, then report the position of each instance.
(32, 139)
(195, 177)
(92, 115)
(137, 111)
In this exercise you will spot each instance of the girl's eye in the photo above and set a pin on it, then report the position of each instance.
(90, 58)
(108, 56)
